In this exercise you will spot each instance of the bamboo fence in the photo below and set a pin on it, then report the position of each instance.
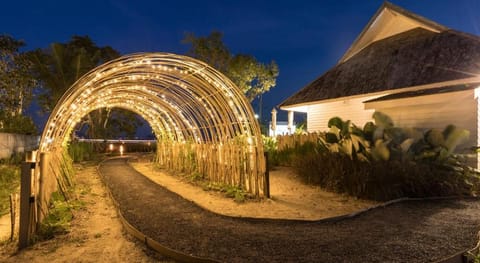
(233, 163)
(202, 122)
(290, 141)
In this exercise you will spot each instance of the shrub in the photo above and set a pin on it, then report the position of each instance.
(288, 155)
(382, 180)
(60, 215)
(9, 183)
(383, 162)
(81, 151)
(58, 219)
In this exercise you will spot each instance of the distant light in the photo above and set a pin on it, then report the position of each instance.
(121, 149)
(256, 116)
(110, 147)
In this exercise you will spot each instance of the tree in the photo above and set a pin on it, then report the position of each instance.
(16, 87)
(252, 77)
(59, 66)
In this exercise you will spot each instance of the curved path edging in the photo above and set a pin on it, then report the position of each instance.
(149, 242)
(459, 257)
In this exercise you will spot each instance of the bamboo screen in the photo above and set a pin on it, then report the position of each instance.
(202, 122)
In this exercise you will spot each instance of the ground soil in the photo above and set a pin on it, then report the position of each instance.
(290, 198)
(95, 234)
(408, 232)
(414, 231)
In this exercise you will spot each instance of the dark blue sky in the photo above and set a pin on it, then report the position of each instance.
(305, 38)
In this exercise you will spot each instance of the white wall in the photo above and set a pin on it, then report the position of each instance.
(428, 111)
(16, 143)
(434, 111)
(348, 109)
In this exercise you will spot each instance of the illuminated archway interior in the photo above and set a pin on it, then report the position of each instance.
(201, 121)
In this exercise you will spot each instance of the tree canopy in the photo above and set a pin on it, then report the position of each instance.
(16, 87)
(60, 65)
(252, 77)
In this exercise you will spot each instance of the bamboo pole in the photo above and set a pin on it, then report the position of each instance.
(13, 214)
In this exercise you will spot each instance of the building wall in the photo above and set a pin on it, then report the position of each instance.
(434, 111)
(16, 143)
(349, 109)
(437, 111)
(423, 112)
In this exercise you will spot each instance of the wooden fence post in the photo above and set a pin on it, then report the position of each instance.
(44, 182)
(266, 185)
(13, 215)
(26, 204)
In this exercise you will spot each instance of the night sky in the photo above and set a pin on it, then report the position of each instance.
(305, 38)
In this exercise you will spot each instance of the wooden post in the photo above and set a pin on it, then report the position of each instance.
(42, 202)
(26, 203)
(13, 214)
(266, 185)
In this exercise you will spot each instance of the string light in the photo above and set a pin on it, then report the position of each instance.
(183, 100)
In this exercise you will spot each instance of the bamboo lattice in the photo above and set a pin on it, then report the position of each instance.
(201, 120)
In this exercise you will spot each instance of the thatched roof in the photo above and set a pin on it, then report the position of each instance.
(412, 58)
(387, 21)
(424, 92)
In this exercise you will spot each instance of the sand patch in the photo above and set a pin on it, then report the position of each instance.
(290, 199)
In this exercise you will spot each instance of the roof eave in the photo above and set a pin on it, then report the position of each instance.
(471, 80)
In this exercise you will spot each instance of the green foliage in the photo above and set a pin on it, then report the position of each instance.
(269, 143)
(382, 180)
(210, 49)
(346, 138)
(9, 184)
(252, 77)
(235, 192)
(57, 222)
(19, 124)
(288, 155)
(270, 147)
(230, 191)
(476, 258)
(383, 162)
(382, 141)
(16, 82)
(300, 129)
(107, 123)
(81, 151)
(59, 66)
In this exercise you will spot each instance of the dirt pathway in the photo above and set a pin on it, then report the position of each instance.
(5, 227)
(406, 232)
(96, 234)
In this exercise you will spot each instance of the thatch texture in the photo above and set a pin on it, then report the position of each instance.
(412, 58)
(424, 92)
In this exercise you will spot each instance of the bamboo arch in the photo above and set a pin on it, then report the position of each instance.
(202, 122)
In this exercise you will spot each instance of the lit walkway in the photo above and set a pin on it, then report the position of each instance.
(406, 232)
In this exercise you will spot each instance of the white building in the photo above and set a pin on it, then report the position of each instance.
(422, 74)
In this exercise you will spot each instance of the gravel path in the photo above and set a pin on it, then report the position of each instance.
(415, 231)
